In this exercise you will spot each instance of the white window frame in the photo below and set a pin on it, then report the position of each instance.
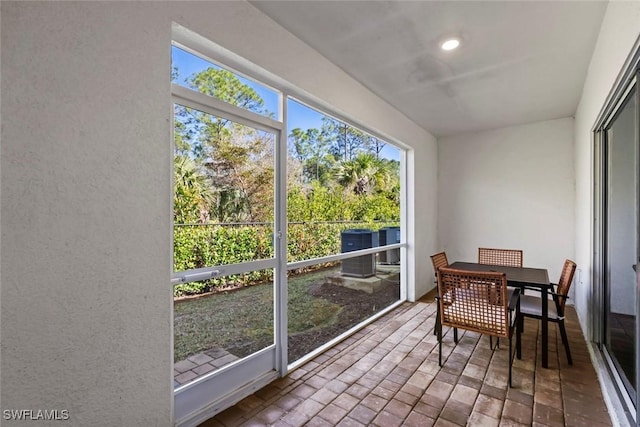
(218, 55)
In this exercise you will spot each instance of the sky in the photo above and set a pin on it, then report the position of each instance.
(299, 116)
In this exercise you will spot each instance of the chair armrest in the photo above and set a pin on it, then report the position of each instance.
(515, 299)
(553, 286)
(537, 288)
(551, 292)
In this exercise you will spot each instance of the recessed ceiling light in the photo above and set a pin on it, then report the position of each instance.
(450, 44)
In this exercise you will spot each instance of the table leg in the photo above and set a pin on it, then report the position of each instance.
(545, 328)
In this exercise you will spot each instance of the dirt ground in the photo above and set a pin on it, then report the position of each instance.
(357, 306)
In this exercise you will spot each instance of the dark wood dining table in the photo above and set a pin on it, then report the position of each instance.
(535, 278)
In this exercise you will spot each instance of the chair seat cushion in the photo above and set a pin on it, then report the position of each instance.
(532, 306)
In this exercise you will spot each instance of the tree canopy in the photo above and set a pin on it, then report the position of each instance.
(224, 171)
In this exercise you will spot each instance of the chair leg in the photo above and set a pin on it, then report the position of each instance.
(519, 323)
(565, 341)
(439, 333)
(435, 327)
(510, 361)
(455, 335)
(491, 347)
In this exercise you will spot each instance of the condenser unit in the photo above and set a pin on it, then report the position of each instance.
(355, 240)
(389, 236)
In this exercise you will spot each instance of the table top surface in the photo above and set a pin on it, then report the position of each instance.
(515, 275)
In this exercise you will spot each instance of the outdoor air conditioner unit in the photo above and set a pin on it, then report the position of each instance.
(354, 240)
(389, 236)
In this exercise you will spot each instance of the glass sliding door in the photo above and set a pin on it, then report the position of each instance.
(621, 171)
(617, 241)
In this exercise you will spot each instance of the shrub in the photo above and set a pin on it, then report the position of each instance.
(209, 245)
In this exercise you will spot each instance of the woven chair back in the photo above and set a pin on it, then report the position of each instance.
(439, 260)
(506, 257)
(564, 284)
(474, 300)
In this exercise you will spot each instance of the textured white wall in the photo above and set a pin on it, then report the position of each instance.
(86, 197)
(86, 303)
(618, 33)
(423, 208)
(509, 188)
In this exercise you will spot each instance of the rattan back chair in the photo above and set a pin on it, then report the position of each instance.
(531, 305)
(478, 301)
(438, 260)
(506, 257)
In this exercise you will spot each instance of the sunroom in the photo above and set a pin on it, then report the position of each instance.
(339, 146)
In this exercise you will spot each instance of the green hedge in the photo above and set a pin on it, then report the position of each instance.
(209, 245)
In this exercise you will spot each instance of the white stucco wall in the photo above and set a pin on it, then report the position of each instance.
(85, 177)
(86, 303)
(618, 33)
(509, 188)
(423, 208)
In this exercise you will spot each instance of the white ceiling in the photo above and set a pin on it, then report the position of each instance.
(519, 62)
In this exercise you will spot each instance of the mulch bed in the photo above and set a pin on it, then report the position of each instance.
(357, 306)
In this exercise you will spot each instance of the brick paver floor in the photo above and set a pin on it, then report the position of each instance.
(200, 364)
(387, 374)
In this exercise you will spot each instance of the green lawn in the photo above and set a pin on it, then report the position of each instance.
(241, 321)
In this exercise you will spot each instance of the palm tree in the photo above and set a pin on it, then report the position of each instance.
(193, 193)
(365, 174)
